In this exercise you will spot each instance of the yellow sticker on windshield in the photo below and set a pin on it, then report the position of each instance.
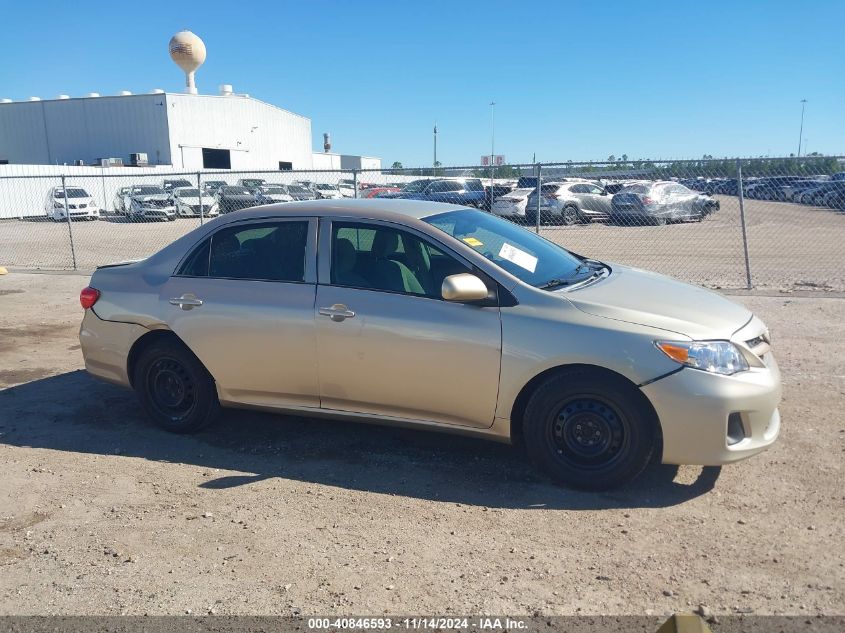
(473, 242)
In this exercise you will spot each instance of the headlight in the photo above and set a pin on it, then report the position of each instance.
(716, 357)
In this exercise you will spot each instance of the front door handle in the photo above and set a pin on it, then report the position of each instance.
(186, 301)
(338, 312)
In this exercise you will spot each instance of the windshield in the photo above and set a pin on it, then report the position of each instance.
(147, 190)
(326, 187)
(415, 186)
(523, 254)
(236, 191)
(276, 190)
(188, 193)
(299, 190)
(71, 193)
(172, 184)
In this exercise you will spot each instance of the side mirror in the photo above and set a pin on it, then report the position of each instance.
(463, 287)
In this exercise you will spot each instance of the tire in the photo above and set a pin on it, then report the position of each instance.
(588, 430)
(174, 388)
(659, 220)
(569, 215)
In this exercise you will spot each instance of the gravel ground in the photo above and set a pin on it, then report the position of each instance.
(791, 247)
(101, 513)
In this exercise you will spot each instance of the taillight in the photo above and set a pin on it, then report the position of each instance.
(647, 200)
(88, 297)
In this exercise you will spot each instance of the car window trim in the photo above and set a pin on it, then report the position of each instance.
(310, 276)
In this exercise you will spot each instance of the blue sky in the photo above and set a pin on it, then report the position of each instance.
(571, 80)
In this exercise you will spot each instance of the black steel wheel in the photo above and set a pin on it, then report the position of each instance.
(174, 387)
(589, 429)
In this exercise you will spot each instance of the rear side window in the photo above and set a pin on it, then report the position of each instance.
(196, 265)
(272, 251)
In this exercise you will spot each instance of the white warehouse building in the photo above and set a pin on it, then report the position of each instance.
(185, 131)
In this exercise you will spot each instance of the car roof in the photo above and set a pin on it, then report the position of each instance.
(370, 208)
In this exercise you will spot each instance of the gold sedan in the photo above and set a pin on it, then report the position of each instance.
(439, 317)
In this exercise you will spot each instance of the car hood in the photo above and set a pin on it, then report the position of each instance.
(158, 196)
(242, 198)
(646, 298)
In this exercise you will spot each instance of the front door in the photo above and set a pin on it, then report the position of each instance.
(388, 344)
(243, 302)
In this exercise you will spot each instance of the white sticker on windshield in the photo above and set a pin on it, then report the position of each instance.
(518, 257)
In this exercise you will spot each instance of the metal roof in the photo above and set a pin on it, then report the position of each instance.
(372, 208)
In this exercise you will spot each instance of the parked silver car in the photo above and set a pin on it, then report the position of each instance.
(660, 202)
(148, 202)
(569, 203)
(439, 317)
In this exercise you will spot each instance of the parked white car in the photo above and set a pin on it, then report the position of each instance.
(327, 192)
(512, 205)
(189, 202)
(119, 199)
(346, 188)
(80, 204)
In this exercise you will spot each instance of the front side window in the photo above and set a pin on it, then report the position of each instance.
(377, 257)
(267, 251)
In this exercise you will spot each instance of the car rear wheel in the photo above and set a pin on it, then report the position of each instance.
(174, 388)
(588, 430)
(569, 215)
(659, 220)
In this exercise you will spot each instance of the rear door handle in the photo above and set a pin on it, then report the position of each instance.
(337, 312)
(186, 301)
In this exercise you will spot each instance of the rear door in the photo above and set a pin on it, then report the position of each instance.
(243, 302)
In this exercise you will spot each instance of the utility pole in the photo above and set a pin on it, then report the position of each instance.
(492, 144)
(435, 148)
(801, 131)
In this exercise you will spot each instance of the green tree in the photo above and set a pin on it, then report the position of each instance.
(396, 165)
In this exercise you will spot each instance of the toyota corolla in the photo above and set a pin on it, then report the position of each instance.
(438, 317)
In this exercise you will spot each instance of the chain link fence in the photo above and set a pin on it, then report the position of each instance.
(775, 223)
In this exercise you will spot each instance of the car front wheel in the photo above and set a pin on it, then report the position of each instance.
(588, 430)
(174, 388)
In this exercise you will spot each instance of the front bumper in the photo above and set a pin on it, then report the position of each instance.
(694, 407)
(508, 210)
(151, 213)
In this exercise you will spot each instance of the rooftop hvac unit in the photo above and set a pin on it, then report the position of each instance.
(79, 162)
(139, 159)
(110, 162)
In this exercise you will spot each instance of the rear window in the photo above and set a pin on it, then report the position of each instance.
(635, 189)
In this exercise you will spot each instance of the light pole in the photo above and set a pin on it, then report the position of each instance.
(435, 148)
(492, 145)
(801, 131)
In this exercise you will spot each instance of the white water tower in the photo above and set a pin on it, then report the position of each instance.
(188, 51)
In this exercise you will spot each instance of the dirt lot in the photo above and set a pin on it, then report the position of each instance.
(102, 513)
(791, 247)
